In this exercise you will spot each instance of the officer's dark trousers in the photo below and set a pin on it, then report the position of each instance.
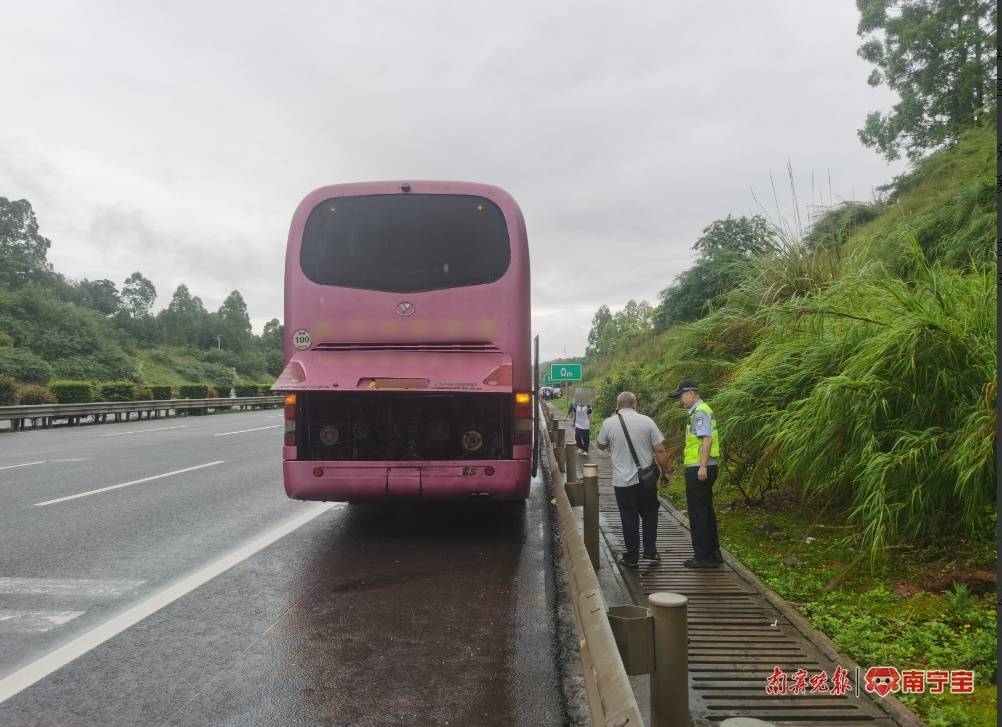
(582, 437)
(635, 504)
(702, 520)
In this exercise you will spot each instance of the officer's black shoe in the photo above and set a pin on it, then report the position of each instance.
(695, 563)
(719, 557)
(651, 556)
(627, 562)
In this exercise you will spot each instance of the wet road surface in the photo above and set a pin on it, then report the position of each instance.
(179, 598)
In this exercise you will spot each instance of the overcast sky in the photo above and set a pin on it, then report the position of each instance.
(177, 138)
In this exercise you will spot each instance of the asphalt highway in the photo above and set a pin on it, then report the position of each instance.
(155, 573)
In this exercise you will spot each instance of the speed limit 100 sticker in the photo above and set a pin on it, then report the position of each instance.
(301, 339)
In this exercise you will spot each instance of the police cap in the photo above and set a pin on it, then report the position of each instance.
(685, 385)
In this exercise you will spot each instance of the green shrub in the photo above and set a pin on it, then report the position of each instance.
(117, 391)
(160, 393)
(212, 393)
(7, 390)
(247, 389)
(159, 356)
(72, 392)
(34, 394)
(144, 393)
(102, 366)
(193, 391)
(264, 390)
(218, 375)
(24, 365)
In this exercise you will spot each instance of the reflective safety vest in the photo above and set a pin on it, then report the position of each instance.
(692, 442)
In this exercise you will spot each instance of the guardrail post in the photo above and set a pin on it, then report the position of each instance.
(571, 485)
(670, 678)
(590, 478)
(571, 457)
(560, 448)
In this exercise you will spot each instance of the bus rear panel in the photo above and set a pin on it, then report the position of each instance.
(407, 344)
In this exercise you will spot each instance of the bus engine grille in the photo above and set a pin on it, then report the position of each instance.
(405, 426)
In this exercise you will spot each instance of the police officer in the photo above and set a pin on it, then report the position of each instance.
(701, 457)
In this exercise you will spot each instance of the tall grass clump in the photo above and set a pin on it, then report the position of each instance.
(879, 395)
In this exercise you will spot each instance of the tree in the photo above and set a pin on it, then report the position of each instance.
(138, 295)
(634, 320)
(939, 56)
(744, 235)
(99, 295)
(232, 322)
(234, 311)
(602, 319)
(184, 320)
(723, 247)
(273, 333)
(23, 252)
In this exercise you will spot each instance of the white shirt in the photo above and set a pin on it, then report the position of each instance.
(582, 420)
(645, 435)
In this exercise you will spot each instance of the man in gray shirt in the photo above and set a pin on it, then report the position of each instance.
(634, 500)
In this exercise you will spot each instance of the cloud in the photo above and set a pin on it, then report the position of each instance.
(175, 140)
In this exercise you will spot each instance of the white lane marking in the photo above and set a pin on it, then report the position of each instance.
(241, 431)
(25, 464)
(34, 622)
(67, 587)
(143, 431)
(127, 484)
(57, 658)
(71, 459)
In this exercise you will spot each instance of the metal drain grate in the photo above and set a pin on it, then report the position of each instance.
(736, 637)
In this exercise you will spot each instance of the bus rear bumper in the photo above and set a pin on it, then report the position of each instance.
(361, 481)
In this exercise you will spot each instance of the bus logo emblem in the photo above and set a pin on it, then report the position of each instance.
(405, 308)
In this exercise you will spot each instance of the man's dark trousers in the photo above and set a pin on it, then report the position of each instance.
(582, 437)
(635, 504)
(702, 520)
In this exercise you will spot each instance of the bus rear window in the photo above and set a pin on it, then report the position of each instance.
(405, 243)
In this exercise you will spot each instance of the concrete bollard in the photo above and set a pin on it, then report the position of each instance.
(571, 458)
(670, 678)
(560, 449)
(572, 486)
(590, 479)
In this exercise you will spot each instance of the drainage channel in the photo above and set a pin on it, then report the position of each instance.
(736, 637)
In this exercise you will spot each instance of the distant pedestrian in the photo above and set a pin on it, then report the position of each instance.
(635, 441)
(580, 414)
(701, 458)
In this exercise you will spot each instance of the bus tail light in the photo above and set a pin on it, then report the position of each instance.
(523, 418)
(501, 376)
(290, 420)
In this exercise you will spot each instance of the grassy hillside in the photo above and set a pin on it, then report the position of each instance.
(858, 375)
(854, 376)
(55, 328)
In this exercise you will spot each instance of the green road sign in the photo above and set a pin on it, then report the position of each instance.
(547, 379)
(565, 372)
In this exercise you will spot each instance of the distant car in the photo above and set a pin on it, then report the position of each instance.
(546, 392)
(556, 392)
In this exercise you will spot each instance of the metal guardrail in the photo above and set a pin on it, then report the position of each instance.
(610, 696)
(17, 415)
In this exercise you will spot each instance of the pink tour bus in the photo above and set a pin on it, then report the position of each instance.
(407, 363)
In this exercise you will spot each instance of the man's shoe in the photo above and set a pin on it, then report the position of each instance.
(627, 563)
(719, 557)
(695, 563)
(653, 556)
